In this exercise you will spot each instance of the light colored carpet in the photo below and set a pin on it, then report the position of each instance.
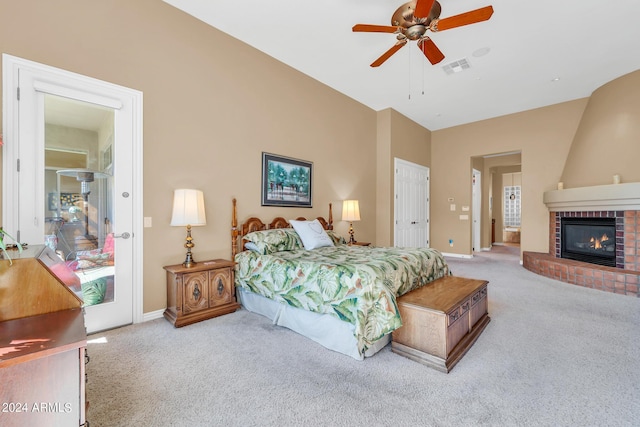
(553, 355)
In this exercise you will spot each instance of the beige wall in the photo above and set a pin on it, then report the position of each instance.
(608, 137)
(543, 136)
(212, 105)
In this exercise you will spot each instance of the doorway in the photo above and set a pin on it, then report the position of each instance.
(411, 206)
(76, 143)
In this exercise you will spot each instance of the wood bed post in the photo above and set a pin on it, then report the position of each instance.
(234, 231)
(330, 217)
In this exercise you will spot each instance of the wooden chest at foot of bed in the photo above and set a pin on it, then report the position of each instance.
(441, 321)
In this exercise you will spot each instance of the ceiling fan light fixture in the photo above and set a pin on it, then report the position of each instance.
(415, 32)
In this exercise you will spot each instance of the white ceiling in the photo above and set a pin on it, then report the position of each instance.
(583, 43)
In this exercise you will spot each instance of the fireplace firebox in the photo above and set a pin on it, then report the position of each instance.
(590, 240)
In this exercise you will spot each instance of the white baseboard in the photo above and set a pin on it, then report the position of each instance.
(152, 315)
(457, 255)
(485, 249)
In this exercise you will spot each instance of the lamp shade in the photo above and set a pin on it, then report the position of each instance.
(350, 210)
(188, 208)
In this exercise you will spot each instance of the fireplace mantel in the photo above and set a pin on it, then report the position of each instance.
(598, 197)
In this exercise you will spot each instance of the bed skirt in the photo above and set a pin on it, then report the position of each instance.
(324, 329)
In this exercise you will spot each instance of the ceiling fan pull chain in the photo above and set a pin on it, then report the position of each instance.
(422, 77)
(409, 50)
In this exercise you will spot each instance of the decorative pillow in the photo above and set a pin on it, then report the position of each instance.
(93, 292)
(311, 233)
(336, 238)
(276, 240)
(252, 247)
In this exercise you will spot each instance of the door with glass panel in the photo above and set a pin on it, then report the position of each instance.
(74, 145)
(79, 201)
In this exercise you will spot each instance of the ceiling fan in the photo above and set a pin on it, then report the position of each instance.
(411, 22)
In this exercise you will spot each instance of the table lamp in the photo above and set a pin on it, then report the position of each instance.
(188, 210)
(350, 212)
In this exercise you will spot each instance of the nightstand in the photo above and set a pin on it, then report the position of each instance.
(359, 244)
(200, 292)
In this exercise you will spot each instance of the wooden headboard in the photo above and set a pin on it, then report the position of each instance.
(256, 224)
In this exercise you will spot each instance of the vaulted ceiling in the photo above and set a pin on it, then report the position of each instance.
(529, 54)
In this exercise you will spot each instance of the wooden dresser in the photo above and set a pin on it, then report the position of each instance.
(441, 321)
(42, 343)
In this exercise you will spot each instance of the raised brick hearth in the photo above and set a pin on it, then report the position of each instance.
(623, 279)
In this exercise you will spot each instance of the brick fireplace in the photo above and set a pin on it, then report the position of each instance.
(624, 278)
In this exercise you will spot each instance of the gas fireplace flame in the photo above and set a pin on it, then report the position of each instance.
(597, 243)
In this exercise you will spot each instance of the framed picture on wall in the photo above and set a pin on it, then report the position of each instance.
(286, 181)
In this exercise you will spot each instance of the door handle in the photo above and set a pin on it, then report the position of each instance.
(124, 235)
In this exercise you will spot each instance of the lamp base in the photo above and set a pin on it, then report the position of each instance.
(188, 261)
(351, 238)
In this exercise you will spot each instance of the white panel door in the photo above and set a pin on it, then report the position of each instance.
(476, 182)
(411, 205)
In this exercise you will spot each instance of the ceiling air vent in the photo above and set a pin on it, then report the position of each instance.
(456, 66)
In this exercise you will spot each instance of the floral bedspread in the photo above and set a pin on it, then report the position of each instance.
(355, 283)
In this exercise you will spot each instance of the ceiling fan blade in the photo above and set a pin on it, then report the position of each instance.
(466, 18)
(430, 50)
(374, 28)
(378, 62)
(423, 7)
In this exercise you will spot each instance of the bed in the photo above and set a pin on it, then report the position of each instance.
(341, 296)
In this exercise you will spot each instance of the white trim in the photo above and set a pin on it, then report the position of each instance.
(10, 71)
(457, 255)
(65, 92)
(152, 315)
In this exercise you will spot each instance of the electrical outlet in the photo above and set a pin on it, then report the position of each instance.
(147, 221)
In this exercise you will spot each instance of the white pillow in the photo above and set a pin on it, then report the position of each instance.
(252, 247)
(311, 233)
